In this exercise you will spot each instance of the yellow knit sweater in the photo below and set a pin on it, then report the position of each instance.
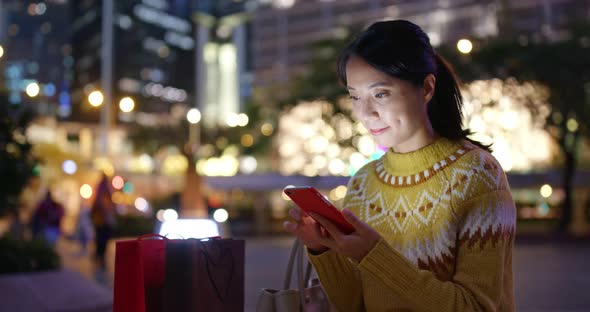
(447, 221)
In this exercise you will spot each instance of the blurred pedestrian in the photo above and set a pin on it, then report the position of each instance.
(104, 220)
(434, 217)
(85, 229)
(47, 219)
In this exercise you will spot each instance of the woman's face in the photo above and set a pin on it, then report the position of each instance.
(393, 110)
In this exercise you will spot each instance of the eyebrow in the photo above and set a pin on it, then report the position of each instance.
(376, 84)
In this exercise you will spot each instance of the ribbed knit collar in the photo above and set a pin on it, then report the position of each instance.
(425, 158)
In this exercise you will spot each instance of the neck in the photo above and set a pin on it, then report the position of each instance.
(423, 137)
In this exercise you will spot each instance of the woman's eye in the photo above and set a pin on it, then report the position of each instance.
(354, 98)
(381, 95)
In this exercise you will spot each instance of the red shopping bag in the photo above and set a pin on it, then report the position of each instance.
(204, 275)
(139, 274)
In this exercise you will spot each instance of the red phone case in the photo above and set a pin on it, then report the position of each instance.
(311, 200)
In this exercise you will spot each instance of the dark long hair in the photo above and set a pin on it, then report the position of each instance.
(402, 50)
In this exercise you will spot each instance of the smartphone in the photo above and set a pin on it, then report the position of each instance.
(311, 200)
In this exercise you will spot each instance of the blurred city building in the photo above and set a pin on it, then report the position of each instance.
(284, 30)
(35, 54)
(224, 58)
(152, 56)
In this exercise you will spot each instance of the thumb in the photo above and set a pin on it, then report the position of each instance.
(353, 220)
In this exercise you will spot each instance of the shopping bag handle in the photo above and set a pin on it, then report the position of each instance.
(298, 255)
(210, 238)
(152, 235)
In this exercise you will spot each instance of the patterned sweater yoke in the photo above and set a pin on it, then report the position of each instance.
(447, 221)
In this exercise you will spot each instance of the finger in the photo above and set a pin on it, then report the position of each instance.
(325, 240)
(291, 226)
(320, 231)
(295, 213)
(353, 220)
(302, 212)
(323, 231)
(328, 225)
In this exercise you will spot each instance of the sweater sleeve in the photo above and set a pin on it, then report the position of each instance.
(340, 279)
(483, 271)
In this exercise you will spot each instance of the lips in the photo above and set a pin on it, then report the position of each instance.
(378, 131)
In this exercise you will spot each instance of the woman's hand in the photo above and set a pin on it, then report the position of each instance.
(307, 229)
(355, 245)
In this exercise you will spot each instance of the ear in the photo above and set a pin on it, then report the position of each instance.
(428, 88)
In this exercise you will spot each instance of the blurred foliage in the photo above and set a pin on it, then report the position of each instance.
(26, 256)
(16, 159)
(562, 64)
(318, 81)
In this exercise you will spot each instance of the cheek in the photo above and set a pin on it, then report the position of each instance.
(394, 116)
(404, 112)
(398, 123)
(402, 120)
(356, 113)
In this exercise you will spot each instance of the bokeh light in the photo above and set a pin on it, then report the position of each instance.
(126, 104)
(572, 125)
(248, 164)
(464, 46)
(69, 166)
(118, 182)
(266, 129)
(128, 187)
(243, 120)
(247, 140)
(141, 204)
(95, 98)
(170, 215)
(32, 89)
(193, 116)
(220, 215)
(232, 120)
(497, 111)
(546, 190)
(86, 191)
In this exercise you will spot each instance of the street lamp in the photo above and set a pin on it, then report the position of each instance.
(464, 46)
(32, 89)
(193, 116)
(126, 104)
(1, 51)
(95, 98)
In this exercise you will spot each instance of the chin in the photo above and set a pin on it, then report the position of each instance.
(385, 143)
(390, 142)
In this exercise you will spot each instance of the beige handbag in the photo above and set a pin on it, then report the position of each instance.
(310, 297)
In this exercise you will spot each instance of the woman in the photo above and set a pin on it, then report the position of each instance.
(434, 217)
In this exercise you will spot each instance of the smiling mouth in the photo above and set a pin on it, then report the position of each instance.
(378, 131)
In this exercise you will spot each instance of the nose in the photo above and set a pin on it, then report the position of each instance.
(368, 110)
